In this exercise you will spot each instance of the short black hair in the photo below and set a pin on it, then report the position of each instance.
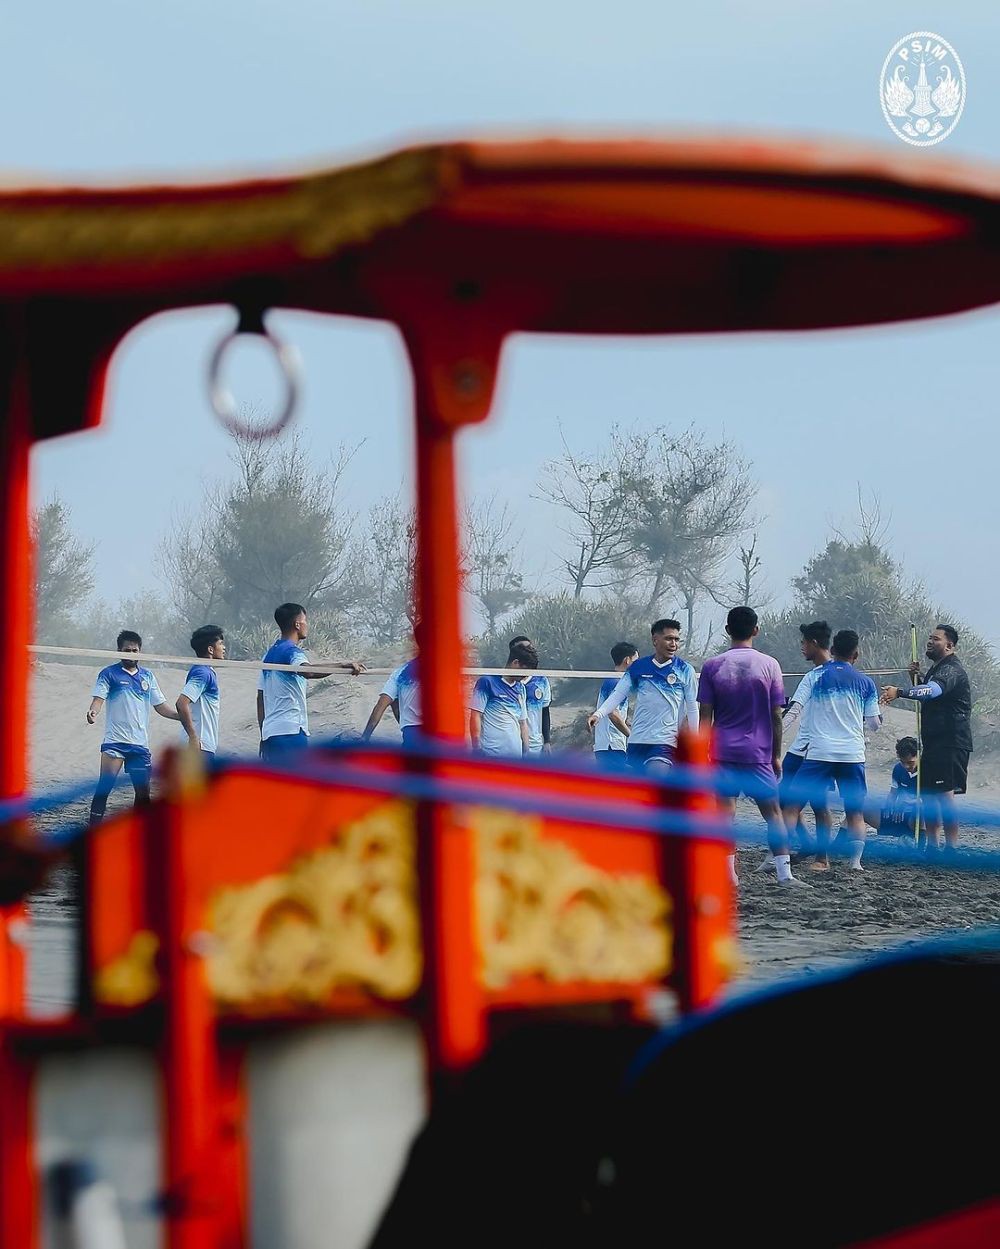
(907, 746)
(845, 643)
(740, 623)
(622, 650)
(521, 637)
(204, 637)
(950, 632)
(525, 654)
(817, 631)
(661, 626)
(284, 616)
(128, 635)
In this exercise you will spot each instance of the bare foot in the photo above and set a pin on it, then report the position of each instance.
(819, 866)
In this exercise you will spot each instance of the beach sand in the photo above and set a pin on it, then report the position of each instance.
(783, 932)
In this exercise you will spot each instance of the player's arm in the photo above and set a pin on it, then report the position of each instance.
(525, 737)
(614, 700)
(395, 709)
(183, 706)
(96, 703)
(166, 711)
(475, 726)
(260, 710)
(919, 693)
(777, 725)
(378, 711)
(691, 703)
(616, 719)
(352, 666)
(546, 729)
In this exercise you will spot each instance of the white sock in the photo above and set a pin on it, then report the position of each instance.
(783, 866)
(731, 864)
(857, 849)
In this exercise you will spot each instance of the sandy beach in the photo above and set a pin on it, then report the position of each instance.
(844, 915)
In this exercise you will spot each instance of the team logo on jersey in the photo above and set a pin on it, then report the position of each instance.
(538, 691)
(144, 685)
(922, 88)
(671, 678)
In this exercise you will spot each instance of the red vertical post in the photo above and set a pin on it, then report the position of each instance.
(455, 1023)
(18, 1191)
(704, 951)
(193, 1169)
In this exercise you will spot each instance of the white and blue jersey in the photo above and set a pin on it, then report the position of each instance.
(606, 736)
(503, 706)
(665, 696)
(403, 686)
(129, 697)
(285, 710)
(835, 708)
(537, 695)
(202, 688)
(800, 744)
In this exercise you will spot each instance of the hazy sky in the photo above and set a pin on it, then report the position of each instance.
(119, 88)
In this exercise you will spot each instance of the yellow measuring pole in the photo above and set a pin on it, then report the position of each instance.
(920, 742)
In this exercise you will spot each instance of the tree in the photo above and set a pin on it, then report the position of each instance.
(689, 500)
(275, 534)
(493, 560)
(590, 490)
(385, 607)
(744, 590)
(64, 572)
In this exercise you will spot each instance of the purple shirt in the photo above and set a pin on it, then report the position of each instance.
(742, 687)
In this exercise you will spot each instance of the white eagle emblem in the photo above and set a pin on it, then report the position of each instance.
(922, 88)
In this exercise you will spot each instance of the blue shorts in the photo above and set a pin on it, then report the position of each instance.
(755, 780)
(790, 766)
(281, 745)
(412, 735)
(639, 754)
(816, 777)
(610, 760)
(137, 758)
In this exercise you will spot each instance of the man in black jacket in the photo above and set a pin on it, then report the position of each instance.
(946, 703)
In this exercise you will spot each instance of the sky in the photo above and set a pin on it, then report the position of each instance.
(120, 90)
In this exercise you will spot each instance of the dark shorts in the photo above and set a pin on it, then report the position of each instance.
(412, 735)
(789, 770)
(610, 760)
(137, 759)
(943, 770)
(282, 745)
(816, 777)
(639, 754)
(755, 780)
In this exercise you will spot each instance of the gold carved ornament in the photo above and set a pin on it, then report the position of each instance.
(544, 912)
(344, 916)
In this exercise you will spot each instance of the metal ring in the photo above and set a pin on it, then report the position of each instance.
(221, 398)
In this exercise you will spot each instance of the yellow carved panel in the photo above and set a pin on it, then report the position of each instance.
(544, 912)
(343, 916)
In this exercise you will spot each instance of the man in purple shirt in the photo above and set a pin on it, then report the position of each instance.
(741, 694)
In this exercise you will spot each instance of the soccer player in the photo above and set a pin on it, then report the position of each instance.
(130, 692)
(198, 702)
(498, 712)
(538, 699)
(664, 688)
(837, 707)
(282, 714)
(897, 816)
(741, 694)
(946, 731)
(611, 732)
(815, 647)
(401, 692)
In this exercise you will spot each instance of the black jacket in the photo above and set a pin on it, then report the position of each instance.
(946, 721)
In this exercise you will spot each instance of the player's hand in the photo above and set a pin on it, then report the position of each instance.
(889, 694)
(547, 748)
(776, 766)
(591, 723)
(914, 671)
(91, 716)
